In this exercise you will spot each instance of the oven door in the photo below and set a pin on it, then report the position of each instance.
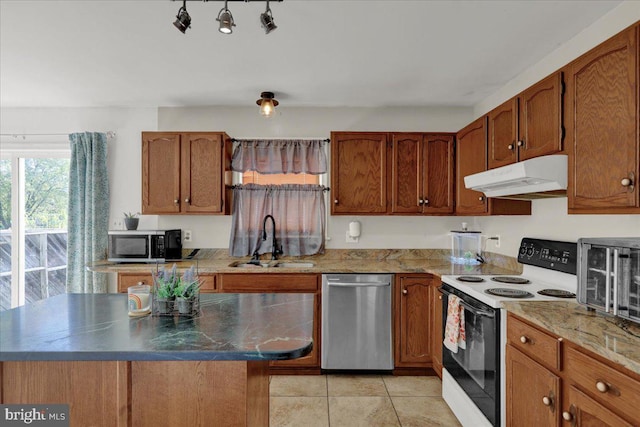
(476, 367)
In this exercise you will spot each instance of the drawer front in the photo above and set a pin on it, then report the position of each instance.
(604, 383)
(207, 282)
(131, 279)
(268, 282)
(535, 343)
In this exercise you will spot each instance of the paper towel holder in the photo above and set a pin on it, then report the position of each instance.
(354, 229)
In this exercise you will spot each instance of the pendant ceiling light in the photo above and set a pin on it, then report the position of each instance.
(267, 104)
(226, 20)
(183, 20)
(266, 19)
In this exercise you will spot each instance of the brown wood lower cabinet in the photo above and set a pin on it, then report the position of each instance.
(142, 393)
(538, 390)
(413, 320)
(288, 283)
(552, 382)
(436, 330)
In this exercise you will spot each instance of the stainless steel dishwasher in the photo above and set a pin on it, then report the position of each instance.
(356, 321)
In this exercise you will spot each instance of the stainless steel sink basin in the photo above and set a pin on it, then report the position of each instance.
(280, 264)
(294, 264)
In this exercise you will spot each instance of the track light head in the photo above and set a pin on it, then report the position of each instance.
(183, 20)
(266, 19)
(225, 18)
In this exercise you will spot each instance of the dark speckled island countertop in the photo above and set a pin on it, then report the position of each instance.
(97, 327)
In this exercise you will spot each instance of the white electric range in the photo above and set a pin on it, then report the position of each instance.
(473, 378)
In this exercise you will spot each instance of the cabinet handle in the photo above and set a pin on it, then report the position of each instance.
(510, 146)
(524, 339)
(335, 202)
(520, 143)
(176, 201)
(426, 201)
(420, 202)
(481, 198)
(628, 182)
(440, 297)
(602, 386)
(546, 401)
(186, 200)
(405, 292)
(568, 416)
(140, 283)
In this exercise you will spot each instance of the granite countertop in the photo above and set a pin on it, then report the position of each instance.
(610, 337)
(433, 261)
(97, 327)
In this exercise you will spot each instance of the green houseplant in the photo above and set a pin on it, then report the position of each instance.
(187, 292)
(165, 282)
(131, 220)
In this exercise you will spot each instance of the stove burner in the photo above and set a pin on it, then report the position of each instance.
(473, 279)
(511, 280)
(509, 293)
(558, 293)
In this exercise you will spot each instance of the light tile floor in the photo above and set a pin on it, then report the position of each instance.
(358, 400)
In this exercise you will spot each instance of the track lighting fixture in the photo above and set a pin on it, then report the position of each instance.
(266, 19)
(183, 20)
(267, 104)
(225, 18)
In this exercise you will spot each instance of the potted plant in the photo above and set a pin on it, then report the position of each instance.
(187, 292)
(131, 220)
(165, 282)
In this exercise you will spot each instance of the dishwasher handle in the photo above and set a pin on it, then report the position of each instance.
(359, 284)
(467, 306)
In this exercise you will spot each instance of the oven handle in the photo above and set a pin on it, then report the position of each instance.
(474, 310)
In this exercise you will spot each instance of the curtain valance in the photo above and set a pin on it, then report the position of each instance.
(271, 156)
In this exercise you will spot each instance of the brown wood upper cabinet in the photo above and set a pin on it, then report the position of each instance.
(471, 157)
(422, 175)
(528, 125)
(603, 141)
(358, 173)
(185, 172)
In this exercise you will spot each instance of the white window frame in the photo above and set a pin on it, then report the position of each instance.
(16, 152)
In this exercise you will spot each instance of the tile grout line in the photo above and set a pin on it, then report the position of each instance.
(391, 400)
(326, 383)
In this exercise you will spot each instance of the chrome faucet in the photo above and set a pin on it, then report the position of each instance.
(275, 250)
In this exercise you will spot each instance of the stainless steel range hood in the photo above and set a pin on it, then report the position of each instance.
(540, 177)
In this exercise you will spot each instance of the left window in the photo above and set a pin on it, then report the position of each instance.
(34, 192)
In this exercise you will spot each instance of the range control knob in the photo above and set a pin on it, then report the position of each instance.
(523, 250)
(529, 251)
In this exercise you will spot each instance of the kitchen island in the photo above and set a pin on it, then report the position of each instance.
(113, 370)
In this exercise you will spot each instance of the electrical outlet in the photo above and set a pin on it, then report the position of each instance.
(117, 224)
(497, 240)
(351, 239)
(187, 236)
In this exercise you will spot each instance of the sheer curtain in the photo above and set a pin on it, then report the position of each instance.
(88, 221)
(299, 213)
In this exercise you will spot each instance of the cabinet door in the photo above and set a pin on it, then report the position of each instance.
(436, 330)
(540, 123)
(503, 132)
(358, 173)
(532, 392)
(602, 131)
(413, 321)
(438, 174)
(202, 164)
(407, 164)
(160, 173)
(471, 157)
(585, 411)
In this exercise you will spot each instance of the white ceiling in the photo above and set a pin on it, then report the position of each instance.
(324, 53)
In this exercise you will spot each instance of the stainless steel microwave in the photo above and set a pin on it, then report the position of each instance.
(145, 245)
(609, 275)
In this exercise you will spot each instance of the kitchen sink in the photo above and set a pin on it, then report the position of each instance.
(280, 264)
(294, 264)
